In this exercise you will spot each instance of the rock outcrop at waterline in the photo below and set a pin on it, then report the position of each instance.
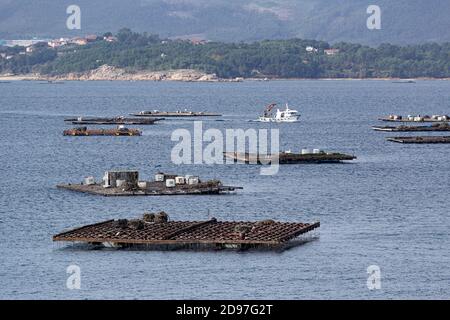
(106, 72)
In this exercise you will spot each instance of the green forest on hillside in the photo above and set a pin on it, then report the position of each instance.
(269, 58)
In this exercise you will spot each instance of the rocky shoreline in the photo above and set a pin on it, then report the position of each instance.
(110, 73)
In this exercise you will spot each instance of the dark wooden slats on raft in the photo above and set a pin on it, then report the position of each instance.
(420, 140)
(101, 132)
(403, 128)
(154, 189)
(113, 121)
(175, 114)
(287, 158)
(190, 232)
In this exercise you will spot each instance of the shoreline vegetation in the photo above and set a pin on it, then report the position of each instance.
(71, 77)
(130, 56)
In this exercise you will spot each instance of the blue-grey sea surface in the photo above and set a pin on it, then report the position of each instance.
(389, 208)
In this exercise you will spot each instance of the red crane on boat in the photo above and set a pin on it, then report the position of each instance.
(269, 109)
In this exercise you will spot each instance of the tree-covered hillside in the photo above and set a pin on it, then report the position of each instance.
(293, 58)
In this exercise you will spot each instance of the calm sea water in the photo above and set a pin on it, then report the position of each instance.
(389, 208)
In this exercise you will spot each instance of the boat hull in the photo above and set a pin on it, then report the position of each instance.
(278, 120)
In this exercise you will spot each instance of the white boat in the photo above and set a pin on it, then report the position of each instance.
(287, 115)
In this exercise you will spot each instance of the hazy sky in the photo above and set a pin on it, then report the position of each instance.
(402, 21)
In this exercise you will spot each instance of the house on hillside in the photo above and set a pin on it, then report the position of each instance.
(79, 41)
(91, 38)
(110, 39)
(198, 41)
(57, 43)
(311, 49)
(331, 52)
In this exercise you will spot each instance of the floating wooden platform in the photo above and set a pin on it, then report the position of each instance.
(153, 188)
(83, 131)
(434, 127)
(210, 234)
(404, 81)
(52, 82)
(175, 114)
(112, 121)
(421, 140)
(288, 158)
(416, 119)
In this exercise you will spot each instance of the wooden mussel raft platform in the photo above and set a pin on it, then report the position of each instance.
(127, 183)
(306, 156)
(418, 118)
(420, 140)
(84, 131)
(175, 114)
(112, 121)
(430, 128)
(156, 231)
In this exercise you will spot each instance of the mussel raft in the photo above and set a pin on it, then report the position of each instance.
(306, 156)
(420, 139)
(157, 231)
(118, 132)
(112, 121)
(127, 183)
(417, 118)
(175, 114)
(434, 127)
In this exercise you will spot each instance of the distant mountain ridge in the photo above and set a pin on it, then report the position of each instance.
(403, 21)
